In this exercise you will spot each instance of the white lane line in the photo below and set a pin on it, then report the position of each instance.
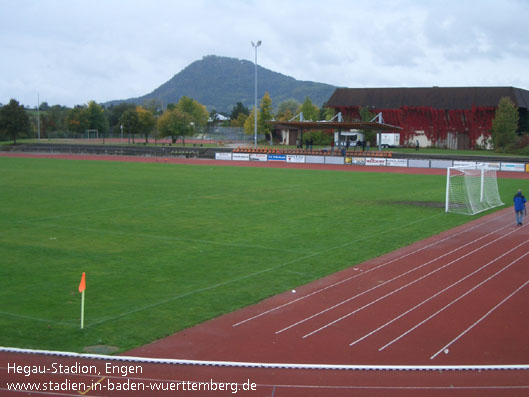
(435, 295)
(384, 283)
(481, 319)
(357, 275)
(451, 303)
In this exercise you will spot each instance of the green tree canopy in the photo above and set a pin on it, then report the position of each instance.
(115, 113)
(505, 124)
(183, 118)
(326, 113)
(14, 120)
(95, 117)
(239, 121)
(267, 114)
(145, 122)
(263, 115)
(174, 123)
(130, 122)
(76, 120)
(368, 115)
(194, 111)
(238, 109)
(310, 111)
(52, 119)
(287, 109)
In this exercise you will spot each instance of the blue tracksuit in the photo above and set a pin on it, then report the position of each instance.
(519, 206)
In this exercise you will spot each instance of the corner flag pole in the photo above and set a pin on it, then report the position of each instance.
(82, 288)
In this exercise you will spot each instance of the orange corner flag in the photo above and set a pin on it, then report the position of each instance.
(82, 284)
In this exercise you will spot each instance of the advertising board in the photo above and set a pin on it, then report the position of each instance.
(240, 156)
(295, 158)
(277, 157)
(258, 157)
(222, 156)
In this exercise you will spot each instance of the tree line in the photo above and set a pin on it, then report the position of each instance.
(188, 117)
(181, 119)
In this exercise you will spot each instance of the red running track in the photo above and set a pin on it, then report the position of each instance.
(458, 298)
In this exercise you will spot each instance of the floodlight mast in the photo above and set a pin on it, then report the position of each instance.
(38, 116)
(255, 111)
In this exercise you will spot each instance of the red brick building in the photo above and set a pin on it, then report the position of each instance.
(452, 117)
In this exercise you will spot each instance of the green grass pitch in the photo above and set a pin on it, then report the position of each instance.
(165, 247)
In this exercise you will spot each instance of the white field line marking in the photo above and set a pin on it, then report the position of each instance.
(44, 320)
(242, 364)
(360, 274)
(170, 299)
(168, 238)
(149, 203)
(386, 282)
(451, 303)
(481, 319)
(435, 295)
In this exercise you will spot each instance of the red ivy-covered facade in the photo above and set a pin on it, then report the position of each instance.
(436, 124)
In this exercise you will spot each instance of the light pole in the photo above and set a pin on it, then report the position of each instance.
(255, 114)
(38, 116)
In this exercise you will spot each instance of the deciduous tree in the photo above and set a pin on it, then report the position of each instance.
(237, 110)
(505, 124)
(263, 115)
(173, 123)
(145, 122)
(310, 111)
(14, 120)
(95, 117)
(76, 120)
(130, 122)
(287, 109)
(266, 114)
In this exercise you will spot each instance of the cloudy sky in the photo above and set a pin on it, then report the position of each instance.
(71, 51)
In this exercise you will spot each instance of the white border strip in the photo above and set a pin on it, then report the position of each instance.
(268, 365)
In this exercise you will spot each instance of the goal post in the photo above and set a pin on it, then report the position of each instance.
(471, 189)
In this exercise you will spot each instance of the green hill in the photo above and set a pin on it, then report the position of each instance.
(220, 82)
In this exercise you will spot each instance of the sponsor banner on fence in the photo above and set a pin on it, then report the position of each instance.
(397, 162)
(240, 156)
(358, 161)
(277, 157)
(492, 166)
(315, 159)
(295, 158)
(516, 167)
(412, 163)
(527, 168)
(258, 157)
(334, 160)
(441, 163)
(458, 163)
(222, 156)
(375, 161)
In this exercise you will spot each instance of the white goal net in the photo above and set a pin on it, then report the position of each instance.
(470, 190)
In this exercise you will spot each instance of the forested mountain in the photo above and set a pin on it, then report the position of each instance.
(220, 82)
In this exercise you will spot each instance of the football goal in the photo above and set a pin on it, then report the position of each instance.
(470, 189)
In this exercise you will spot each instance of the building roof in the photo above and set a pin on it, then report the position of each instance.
(334, 125)
(449, 98)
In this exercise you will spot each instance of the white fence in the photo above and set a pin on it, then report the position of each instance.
(371, 161)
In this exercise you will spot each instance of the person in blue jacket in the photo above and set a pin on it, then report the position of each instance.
(519, 206)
